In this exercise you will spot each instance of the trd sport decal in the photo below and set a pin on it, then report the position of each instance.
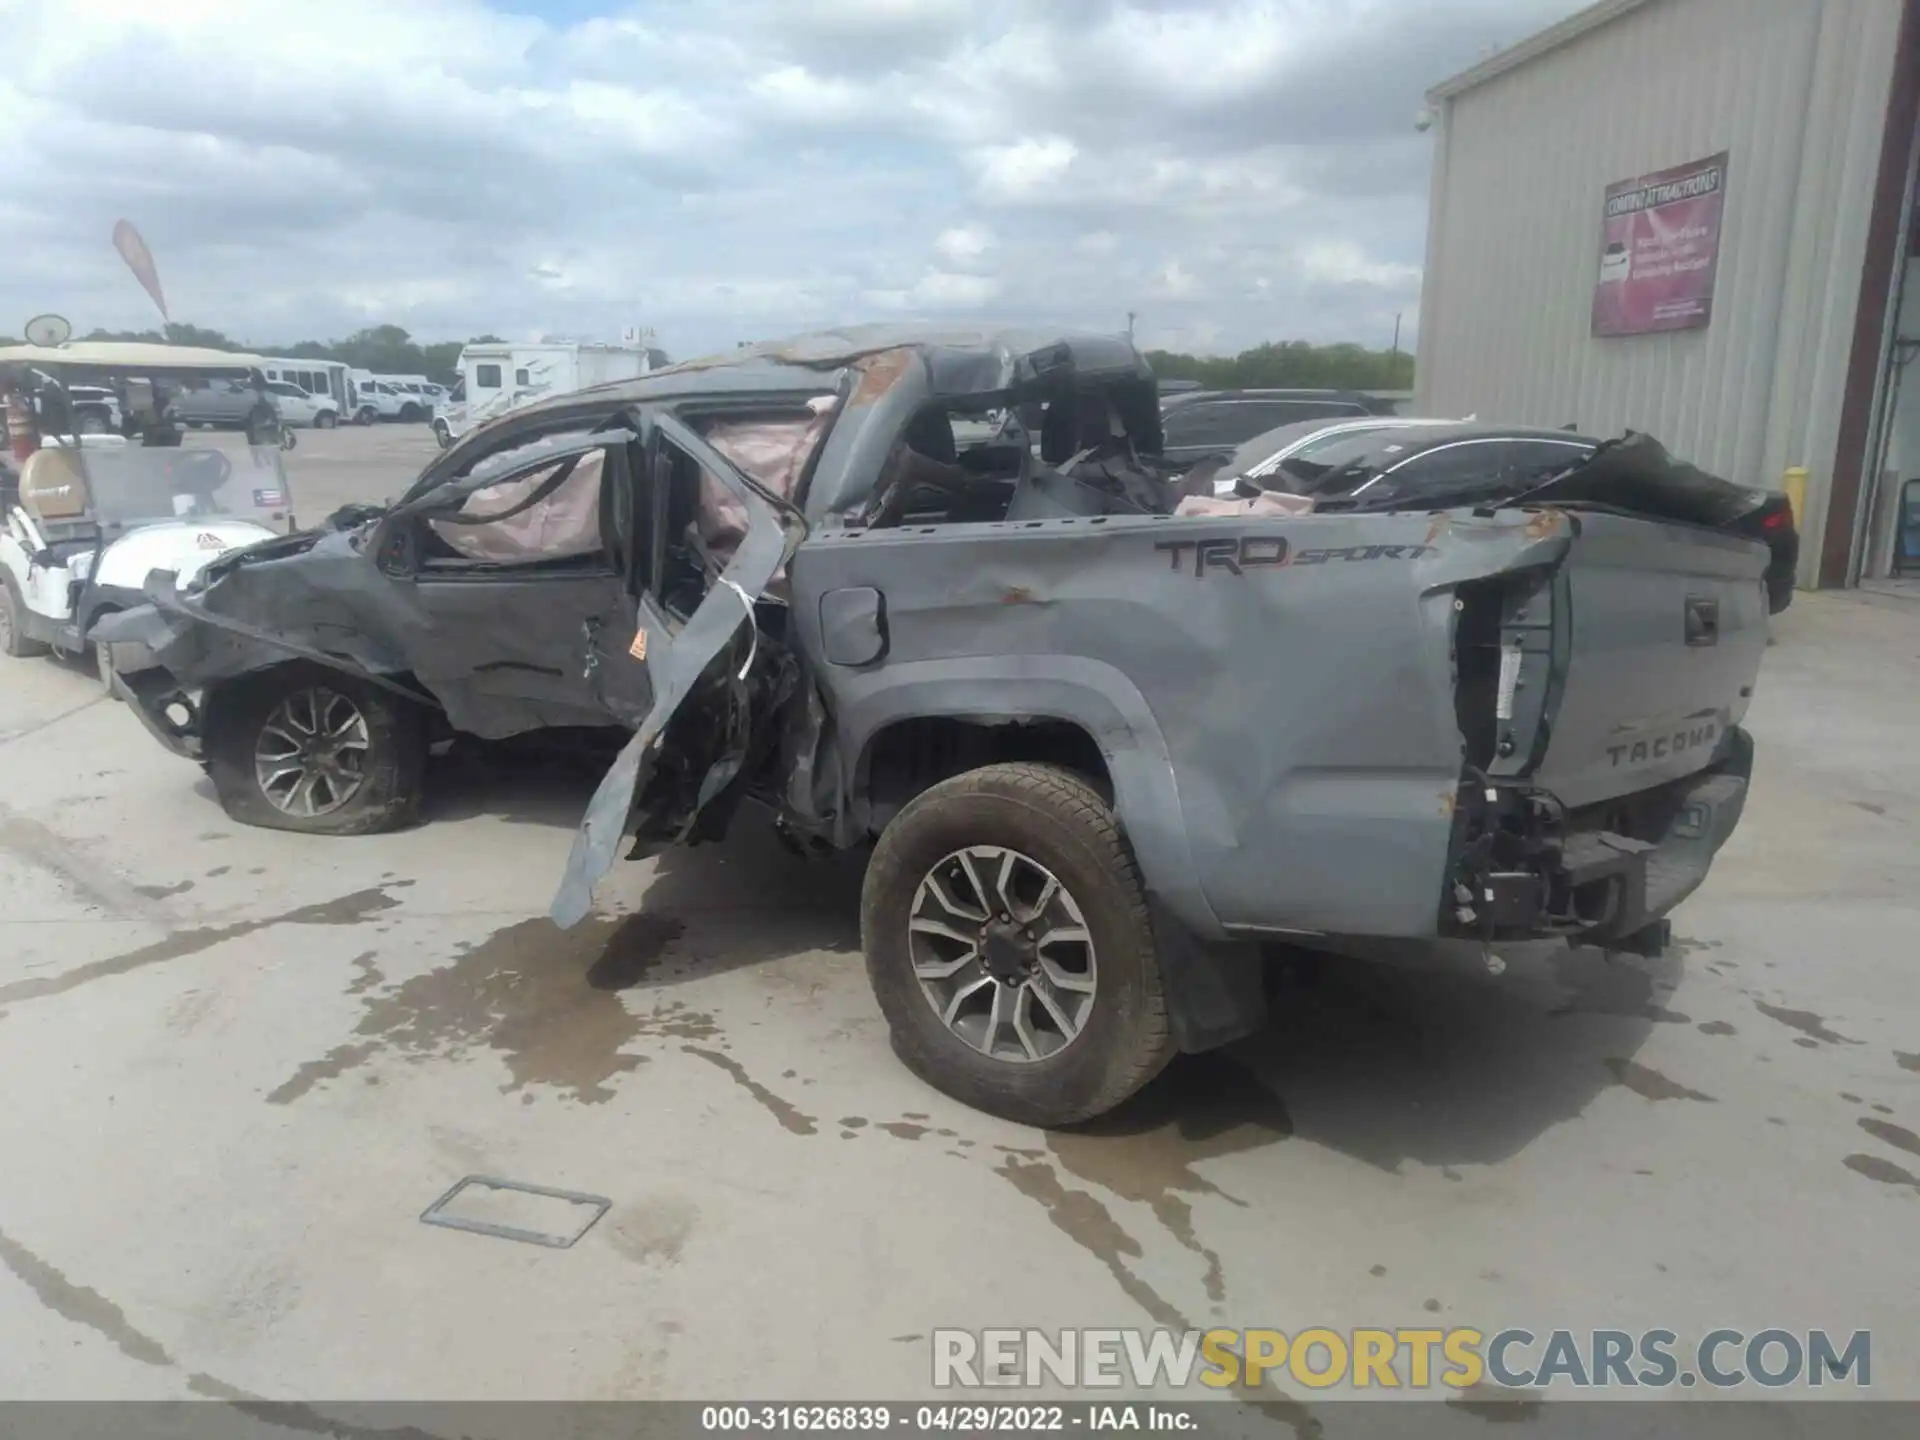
(1254, 552)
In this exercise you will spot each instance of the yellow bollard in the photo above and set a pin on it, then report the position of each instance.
(1794, 482)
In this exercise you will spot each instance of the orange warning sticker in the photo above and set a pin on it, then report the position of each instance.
(639, 647)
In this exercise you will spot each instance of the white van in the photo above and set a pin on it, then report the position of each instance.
(318, 378)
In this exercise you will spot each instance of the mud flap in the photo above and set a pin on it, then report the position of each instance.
(1215, 991)
(675, 664)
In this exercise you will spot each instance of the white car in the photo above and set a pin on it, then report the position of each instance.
(297, 407)
(377, 400)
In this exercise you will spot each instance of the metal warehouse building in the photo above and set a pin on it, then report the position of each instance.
(1696, 218)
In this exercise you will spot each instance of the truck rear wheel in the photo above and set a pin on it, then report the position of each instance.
(304, 748)
(1009, 946)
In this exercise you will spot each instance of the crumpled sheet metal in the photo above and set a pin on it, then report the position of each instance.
(962, 360)
(1637, 473)
(674, 668)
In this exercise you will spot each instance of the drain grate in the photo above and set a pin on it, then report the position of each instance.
(510, 1210)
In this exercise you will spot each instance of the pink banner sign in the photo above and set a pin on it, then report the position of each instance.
(1659, 247)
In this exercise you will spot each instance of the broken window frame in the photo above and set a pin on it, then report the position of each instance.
(397, 542)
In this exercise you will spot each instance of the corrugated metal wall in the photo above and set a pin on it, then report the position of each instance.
(1796, 91)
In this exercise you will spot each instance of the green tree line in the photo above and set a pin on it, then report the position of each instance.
(1287, 364)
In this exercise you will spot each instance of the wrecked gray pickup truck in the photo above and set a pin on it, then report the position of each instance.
(1103, 752)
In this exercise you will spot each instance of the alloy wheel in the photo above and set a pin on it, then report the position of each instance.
(311, 756)
(1003, 953)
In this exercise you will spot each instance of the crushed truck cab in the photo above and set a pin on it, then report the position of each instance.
(1105, 739)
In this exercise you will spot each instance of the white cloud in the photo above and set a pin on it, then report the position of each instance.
(964, 245)
(795, 94)
(1024, 168)
(943, 289)
(1175, 281)
(1341, 262)
(729, 171)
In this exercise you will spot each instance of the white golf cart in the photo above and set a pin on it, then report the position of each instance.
(85, 516)
(82, 528)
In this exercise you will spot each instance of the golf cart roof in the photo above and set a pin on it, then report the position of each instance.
(121, 356)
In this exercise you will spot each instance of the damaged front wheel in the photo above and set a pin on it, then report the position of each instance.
(304, 748)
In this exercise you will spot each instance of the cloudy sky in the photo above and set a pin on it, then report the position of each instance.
(727, 170)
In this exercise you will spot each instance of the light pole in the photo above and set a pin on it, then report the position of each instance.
(1130, 327)
(1396, 332)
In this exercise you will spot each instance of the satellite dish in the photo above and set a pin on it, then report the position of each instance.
(48, 330)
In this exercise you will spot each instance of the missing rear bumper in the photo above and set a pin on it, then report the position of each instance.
(1609, 876)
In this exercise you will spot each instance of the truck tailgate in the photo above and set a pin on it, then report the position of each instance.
(1656, 636)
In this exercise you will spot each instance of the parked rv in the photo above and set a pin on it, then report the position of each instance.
(496, 377)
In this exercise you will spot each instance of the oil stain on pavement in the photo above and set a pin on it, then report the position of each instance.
(82, 1305)
(1885, 1171)
(547, 1000)
(791, 1119)
(1085, 1220)
(1204, 1107)
(79, 1304)
(347, 910)
(1805, 1021)
(1887, 1133)
(1650, 1084)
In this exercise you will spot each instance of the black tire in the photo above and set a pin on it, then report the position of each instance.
(411, 414)
(325, 420)
(91, 422)
(388, 797)
(14, 640)
(365, 415)
(1061, 822)
(442, 433)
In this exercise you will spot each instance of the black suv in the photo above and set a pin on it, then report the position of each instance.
(1200, 424)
